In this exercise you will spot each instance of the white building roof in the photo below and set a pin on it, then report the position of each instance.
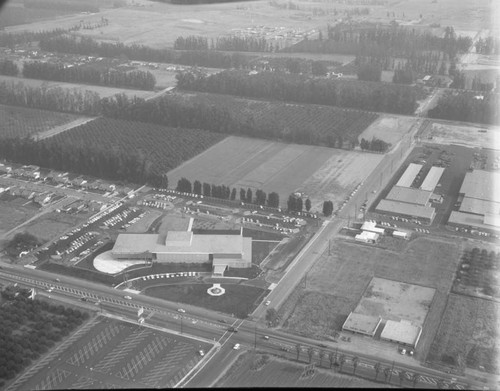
(477, 206)
(402, 332)
(432, 178)
(403, 208)
(409, 175)
(372, 227)
(359, 323)
(484, 185)
(489, 222)
(409, 195)
(366, 235)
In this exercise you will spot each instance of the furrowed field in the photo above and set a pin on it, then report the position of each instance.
(20, 122)
(342, 125)
(162, 147)
(319, 173)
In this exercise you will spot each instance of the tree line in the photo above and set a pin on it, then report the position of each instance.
(231, 43)
(9, 68)
(54, 99)
(71, 6)
(226, 193)
(27, 37)
(391, 98)
(137, 79)
(374, 144)
(469, 107)
(88, 46)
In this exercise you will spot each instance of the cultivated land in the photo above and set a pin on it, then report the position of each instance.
(468, 335)
(336, 283)
(319, 172)
(21, 121)
(392, 300)
(103, 91)
(480, 136)
(253, 370)
(108, 353)
(389, 128)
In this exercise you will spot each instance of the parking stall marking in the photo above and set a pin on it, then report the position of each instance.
(84, 383)
(167, 364)
(53, 379)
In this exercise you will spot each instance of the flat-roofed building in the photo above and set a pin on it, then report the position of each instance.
(409, 175)
(402, 332)
(408, 210)
(490, 223)
(432, 178)
(367, 237)
(371, 226)
(362, 324)
(480, 207)
(483, 185)
(409, 195)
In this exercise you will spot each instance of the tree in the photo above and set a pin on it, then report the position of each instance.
(327, 208)
(207, 190)
(233, 194)
(377, 368)
(184, 185)
(402, 376)
(387, 371)
(197, 187)
(291, 203)
(308, 204)
(355, 361)
(273, 200)
(342, 360)
(310, 353)
(249, 196)
(298, 348)
(415, 379)
(243, 197)
(332, 357)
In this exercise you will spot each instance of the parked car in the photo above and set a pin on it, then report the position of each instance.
(127, 297)
(181, 310)
(237, 346)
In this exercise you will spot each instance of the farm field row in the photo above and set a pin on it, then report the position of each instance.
(163, 148)
(20, 121)
(336, 283)
(103, 92)
(342, 126)
(320, 173)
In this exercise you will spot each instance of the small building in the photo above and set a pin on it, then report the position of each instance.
(371, 226)
(367, 237)
(362, 324)
(400, 234)
(402, 332)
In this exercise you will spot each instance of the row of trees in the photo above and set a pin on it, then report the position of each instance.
(489, 45)
(9, 68)
(82, 158)
(232, 43)
(375, 144)
(71, 6)
(392, 98)
(468, 107)
(54, 99)
(11, 39)
(296, 204)
(88, 46)
(225, 192)
(143, 80)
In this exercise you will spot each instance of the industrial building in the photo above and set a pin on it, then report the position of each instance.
(362, 324)
(223, 249)
(409, 175)
(425, 213)
(480, 202)
(367, 237)
(432, 179)
(409, 195)
(402, 332)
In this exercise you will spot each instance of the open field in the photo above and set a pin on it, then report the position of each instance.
(13, 212)
(319, 172)
(392, 300)
(108, 353)
(469, 136)
(468, 335)
(52, 225)
(238, 299)
(21, 121)
(277, 372)
(323, 123)
(336, 283)
(103, 92)
(389, 128)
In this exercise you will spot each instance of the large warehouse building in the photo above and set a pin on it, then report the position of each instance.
(223, 249)
(480, 202)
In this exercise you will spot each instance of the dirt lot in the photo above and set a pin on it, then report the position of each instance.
(336, 283)
(468, 335)
(389, 128)
(395, 301)
(277, 372)
(320, 173)
(21, 122)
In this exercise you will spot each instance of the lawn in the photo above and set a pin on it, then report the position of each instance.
(238, 299)
(273, 371)
(468, 335)
(336, 283)
(21, 122)
(319, 173)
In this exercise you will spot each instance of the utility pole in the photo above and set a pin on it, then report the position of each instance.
(255, 337)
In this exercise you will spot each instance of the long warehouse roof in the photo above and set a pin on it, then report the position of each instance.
(409, 195)
(406, 209)
(484, 185)
(432, 178)
(409, 175)
(490, 222)
(480, 207)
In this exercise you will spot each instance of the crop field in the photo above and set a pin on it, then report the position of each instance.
(320, 121)
(389, 128)
(20, 122)
(103, 92)
(468, 136)
(396, 300)
(108, 353)
(277, 372)
(320, 173)
(468, 335)
(238, 299)
(336, 283)
(165, 148)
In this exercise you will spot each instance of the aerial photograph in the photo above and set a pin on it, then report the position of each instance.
(249, 194)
